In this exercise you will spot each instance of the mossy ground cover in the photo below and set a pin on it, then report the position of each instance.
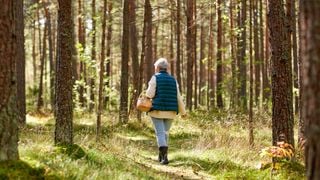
(202, 146)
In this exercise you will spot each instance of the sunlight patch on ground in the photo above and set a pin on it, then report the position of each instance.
(133, 138)
(37, 119)
(185, 127)
(88, 123)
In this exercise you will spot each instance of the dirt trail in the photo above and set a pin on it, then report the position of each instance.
(172, 170)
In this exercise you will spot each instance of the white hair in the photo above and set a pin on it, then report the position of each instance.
(161, 63)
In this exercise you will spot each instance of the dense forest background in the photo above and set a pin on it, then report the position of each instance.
(242, 65)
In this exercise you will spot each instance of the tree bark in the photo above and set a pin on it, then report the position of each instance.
(172, 62)
(40, 102)
(257, 60)
(108, 64)
(251, 138)
(64, 82)
(148, 48)
(233, 98)
(190, 51)
(310, 32)
(134, 55)
(266, 81)
(51, 61)
(195, 60)
(81, 39)
(20, 63)
(178, 63)
(34, 55)
(93, 56)
(211, 87)
(302, 41)
(261, 45)
(202, 72)
(123, 113)
(282, 109)
(295, 57)
(103, 43)
(242, 76)
(8, 84)
(219, 58)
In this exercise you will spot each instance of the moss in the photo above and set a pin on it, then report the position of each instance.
(293, 169)
(20, 169)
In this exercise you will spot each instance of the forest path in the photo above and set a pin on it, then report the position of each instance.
(198, 149)
(140, 147)
(176, 169)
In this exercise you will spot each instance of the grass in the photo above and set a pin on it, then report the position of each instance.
(204, 146)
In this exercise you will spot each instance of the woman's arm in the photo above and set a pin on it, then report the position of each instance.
(181, 106)
(151, 91)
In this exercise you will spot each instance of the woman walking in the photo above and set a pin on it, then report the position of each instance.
(167, 102)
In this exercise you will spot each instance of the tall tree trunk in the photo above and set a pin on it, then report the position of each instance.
(178, 62)
(149, 50)
(266, 81)
(148, 47)
(8, 85)
(289, 21)
(233, 98)
(20, 63)
(295, 56)
(93, 56)
(219, 57)
(51, 61)
(103, 42)
(155, 28)
(108, 64)
(282, 110)
(211, 87)
(75, 64)
(261, 45)
(142, 73)
(123, 113)
(195, 69)
(134, 54)
(302, 43)
(39, 30)
(40, 102)
(242, 77)
(81, 39)
(202, 73)
(172, 68)
(64, 82)
(251, 138)
(34, 55)
(257, 60)
(190, 51)
(311, 87)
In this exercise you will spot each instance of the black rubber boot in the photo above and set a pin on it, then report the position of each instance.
(160, 154)
(163, 157)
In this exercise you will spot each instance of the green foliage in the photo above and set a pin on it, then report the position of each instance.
(31, 97)
(73, 150)
(210, 145)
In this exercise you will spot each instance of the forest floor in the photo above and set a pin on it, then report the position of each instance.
(202, 146)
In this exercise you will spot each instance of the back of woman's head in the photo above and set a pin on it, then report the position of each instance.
(161, 63)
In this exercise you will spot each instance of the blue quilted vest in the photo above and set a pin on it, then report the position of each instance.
(165, 98)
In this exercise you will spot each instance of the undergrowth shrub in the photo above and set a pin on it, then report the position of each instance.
(73, 150)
